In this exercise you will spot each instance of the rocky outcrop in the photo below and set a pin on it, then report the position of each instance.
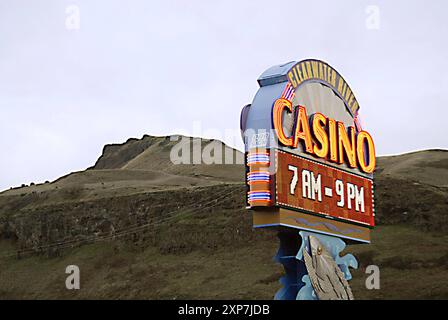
(50, 229)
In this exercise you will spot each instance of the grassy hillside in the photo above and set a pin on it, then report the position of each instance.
(140, 227)
(428, 167)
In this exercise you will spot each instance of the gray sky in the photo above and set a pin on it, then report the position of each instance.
(136, 67)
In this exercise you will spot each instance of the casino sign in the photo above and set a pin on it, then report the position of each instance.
(309, 163)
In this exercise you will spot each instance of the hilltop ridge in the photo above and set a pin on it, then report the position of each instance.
(140, 226)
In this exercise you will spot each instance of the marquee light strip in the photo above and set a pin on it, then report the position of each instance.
(258, 176)
(257, 158)
(259, 195)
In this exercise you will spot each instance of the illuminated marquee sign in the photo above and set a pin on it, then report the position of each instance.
(332, 140)
(312, 187)
(309, 163)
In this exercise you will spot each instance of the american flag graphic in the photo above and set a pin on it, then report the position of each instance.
(358, 122)
(289, 92)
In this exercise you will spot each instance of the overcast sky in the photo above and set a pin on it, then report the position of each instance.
(146, 67)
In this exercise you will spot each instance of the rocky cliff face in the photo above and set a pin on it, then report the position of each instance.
(115, 156)
(135, 218)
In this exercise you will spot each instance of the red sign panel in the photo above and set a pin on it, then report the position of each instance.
(309, 186)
